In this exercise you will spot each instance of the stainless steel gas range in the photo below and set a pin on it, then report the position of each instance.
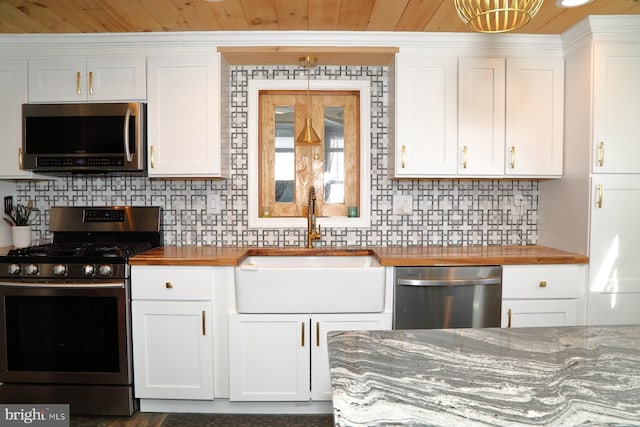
(65, 311)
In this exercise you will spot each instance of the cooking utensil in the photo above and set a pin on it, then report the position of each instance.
(29, 208)
(20, 214)
(8, 205)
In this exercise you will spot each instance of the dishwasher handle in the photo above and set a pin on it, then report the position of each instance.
(450, 282)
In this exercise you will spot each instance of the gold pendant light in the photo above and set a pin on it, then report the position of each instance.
(308, 135)
(497, 16)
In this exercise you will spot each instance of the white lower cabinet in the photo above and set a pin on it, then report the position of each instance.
(543, 295)
(172, 324)
(283, 357)
(533, 313)
(614, 271)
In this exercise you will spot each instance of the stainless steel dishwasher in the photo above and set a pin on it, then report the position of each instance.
(447, 297)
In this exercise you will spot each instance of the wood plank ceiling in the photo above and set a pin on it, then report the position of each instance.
(117, 16)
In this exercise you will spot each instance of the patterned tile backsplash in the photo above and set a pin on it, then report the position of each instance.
(445, 212)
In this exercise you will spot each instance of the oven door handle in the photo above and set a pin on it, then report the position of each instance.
(65, 285)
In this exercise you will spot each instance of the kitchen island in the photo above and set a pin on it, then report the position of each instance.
(502, 377)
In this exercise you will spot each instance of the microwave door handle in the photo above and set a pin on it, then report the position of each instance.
(126, 135)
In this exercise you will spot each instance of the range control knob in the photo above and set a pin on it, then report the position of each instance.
(59, 270)
(14, 269)
(31, 269)
(105, 270)
(88, 270)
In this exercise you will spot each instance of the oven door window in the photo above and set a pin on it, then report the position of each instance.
(62, 333)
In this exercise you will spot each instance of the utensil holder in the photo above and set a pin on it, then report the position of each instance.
(21, 235)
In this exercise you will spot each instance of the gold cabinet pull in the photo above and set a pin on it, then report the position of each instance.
(78, 79)
(204, 323)
(404, 152)
(513, 157)
(543, 284)
(151, 155)
(601, 154)
(302, 331)
(317, 334)
(509, 318)
(464, 157)
(599, 188)
(20, 158)
(90, 82)
(168, 285)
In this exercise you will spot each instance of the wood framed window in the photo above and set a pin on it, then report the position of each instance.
(286, 169)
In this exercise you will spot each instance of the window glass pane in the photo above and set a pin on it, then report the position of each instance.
(334, 154)
(284, 167)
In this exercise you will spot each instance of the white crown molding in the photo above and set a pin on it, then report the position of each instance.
(622, 28)
(24, 43)
(613, 28)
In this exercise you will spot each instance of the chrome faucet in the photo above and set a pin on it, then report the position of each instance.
(312, 233)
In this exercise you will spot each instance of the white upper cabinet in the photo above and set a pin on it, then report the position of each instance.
(534, 117)
(478, 117)
(481, 103)
(13, 93)
(426, 116)
(184, 116)
(82, 79)
(616, 108)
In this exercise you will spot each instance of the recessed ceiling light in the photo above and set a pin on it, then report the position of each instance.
(572, 3)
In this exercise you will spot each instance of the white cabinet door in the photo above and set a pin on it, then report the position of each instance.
(616, 127)
(426, 116)
(172, 349)
(13, 93)
(534, 117)
(537, 313)
(543, 295)
(87, 79)
(112, 79)
(481, 115)
(184, 116)
(614, 270)
(57, 79)
(320, 325)
(269, 357)
(283, 357)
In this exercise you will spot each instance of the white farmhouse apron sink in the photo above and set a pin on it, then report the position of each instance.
(309, 284)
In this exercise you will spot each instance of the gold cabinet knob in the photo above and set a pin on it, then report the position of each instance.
(168, 285)
(543, 284)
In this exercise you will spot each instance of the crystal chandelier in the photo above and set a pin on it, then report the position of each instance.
(496, 16)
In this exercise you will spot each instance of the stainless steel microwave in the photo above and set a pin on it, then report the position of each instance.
(84, 138)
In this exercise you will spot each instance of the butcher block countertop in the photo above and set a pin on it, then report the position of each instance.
(387, 255)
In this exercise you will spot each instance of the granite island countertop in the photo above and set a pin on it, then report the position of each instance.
(563, 376)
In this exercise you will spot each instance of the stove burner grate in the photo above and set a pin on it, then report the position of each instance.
(102, 249)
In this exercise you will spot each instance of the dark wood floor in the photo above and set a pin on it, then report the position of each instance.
(139, 419)
(203, 420)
